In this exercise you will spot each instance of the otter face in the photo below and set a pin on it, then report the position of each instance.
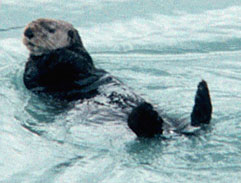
(44, 35)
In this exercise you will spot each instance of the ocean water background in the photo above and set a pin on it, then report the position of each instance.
(162, 49)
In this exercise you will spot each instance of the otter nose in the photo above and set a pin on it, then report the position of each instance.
(28, 33)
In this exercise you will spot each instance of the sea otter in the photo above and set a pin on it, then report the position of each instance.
(59, 66)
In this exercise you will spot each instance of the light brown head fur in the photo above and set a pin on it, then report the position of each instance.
(44, 35)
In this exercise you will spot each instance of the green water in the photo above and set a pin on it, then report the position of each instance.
(161, 50)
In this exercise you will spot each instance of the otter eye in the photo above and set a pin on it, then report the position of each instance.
(71, 34)
(51, 30)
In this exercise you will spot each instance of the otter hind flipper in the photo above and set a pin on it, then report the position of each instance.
(144, 121)
(202, 109)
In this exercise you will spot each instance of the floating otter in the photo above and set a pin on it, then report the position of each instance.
(59, 66)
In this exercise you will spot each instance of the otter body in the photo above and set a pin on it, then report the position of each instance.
(69, 74)
(57, 73)
(61, 67)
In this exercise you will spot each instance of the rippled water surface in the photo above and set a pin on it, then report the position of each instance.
(162, 49)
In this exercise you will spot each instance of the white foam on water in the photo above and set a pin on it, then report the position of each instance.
(162, 31)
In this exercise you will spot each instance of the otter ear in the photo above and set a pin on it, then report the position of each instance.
(74, 37)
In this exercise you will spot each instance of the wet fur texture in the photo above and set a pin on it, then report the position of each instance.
(44, 35)
(60, 67)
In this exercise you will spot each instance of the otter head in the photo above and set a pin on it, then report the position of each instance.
(44, 35)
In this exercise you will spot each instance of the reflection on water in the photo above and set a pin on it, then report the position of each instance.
(162, 49)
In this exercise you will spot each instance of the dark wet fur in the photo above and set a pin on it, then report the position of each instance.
(57, 74)
(145, 121)
(202, 109)
(69, 74)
